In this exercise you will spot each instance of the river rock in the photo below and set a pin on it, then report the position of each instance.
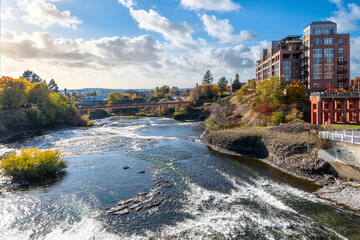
(126, 167)
(142, 171)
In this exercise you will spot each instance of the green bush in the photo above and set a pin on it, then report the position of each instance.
(277, 118)
(32, 163)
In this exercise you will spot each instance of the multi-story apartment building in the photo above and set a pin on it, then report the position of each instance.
(321, 59)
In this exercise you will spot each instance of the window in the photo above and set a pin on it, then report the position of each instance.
(329, 76)
(341, 85)
(341, 50)
(306, 33)
(317, 52)
(317, 60)
(329, 60)
(287, 79)
(341, 41)
(329, 51)
(328, 30)
(317, 31)
(287, 64)
(317, 41)
(329, 69)
(286, 72)
(329, 41)
(341, 59)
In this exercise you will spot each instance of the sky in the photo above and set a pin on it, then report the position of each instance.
(144, 44)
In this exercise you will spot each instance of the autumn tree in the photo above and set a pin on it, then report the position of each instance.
(208, 78)
(14, 93)
(53, 86)
(296, 92)
(40, 93)
(115, 97)
(356, 83)
(223, 82)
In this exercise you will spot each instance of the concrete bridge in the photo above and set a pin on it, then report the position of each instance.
(127, 106)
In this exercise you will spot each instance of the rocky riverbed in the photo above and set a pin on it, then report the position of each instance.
(286, 150)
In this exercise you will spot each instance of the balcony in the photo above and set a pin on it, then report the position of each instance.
(342, 79)
(335, 95)
(304, 72)
(341, 62)
(341, 70)
(304, 64)
(302, 47)
(303, 56)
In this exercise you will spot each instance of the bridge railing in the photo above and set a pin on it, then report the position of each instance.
(342, 136)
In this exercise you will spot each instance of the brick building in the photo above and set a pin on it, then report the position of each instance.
(320, 59)
(335, 108)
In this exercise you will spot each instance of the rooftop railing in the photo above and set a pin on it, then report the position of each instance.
(335, 95)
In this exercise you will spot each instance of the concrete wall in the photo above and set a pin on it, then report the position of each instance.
(343, 152)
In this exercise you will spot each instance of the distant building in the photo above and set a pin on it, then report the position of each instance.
(320, 59)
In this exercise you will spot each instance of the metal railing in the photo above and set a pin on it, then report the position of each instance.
(335, 95)
(342, 136)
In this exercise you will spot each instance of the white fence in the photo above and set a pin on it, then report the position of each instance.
(342, 136)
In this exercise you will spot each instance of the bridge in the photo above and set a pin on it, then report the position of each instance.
(127, 106)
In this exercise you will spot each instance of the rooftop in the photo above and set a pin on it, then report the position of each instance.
(321, 22)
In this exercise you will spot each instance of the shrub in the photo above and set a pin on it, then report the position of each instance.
(32, 163)
(277, 118)
(294, 116)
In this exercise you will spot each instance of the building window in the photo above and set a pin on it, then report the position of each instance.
(329, 41)
(317, 41)
(329, 69)
(286, 72)
(286, 64)
(306, 33)
(329, 30)
(341, 41)
(317, 52)
(341, 60)
(329, 51)
(288, 78)
(329, 60)
(341, 85)
(329, 76)
(317, 31)
(341, 50)
(318, 60)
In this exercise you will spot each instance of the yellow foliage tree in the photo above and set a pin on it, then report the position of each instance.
(296, 92)
(14, 92)
(115, 97)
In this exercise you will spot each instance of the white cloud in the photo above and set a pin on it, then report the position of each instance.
(346, 17)
(216, 5)
(100, 53)
(178, 35)
(45, 14)
(8, 14)
(128, 3)
(223, 30)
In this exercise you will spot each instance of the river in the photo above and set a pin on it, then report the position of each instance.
(208, 195)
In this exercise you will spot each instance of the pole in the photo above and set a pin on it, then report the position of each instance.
(197, 92)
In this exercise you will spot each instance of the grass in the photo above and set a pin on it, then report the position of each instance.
(131, 117)
(32, 163)
(340, 127)
(284, 137)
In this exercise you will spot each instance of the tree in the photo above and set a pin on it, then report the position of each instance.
(165, 89)
(208, 78)
(296, 92)
(31, 76)
(40, 93)
(53, 86)
(294, 116)
(14, 93)
(115, 97)
(236, 85)
(356, 83)
(222, 84)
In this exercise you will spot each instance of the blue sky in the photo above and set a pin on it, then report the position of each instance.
(144, 44)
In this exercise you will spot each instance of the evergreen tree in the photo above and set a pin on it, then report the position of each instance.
(222, 84)
(236, 85)
(31, 76)
(208, 78)
(53, 86)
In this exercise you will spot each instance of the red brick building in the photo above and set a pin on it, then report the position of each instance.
(335, 108)
(320, 59)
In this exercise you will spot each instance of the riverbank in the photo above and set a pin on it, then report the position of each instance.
(285, 147)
